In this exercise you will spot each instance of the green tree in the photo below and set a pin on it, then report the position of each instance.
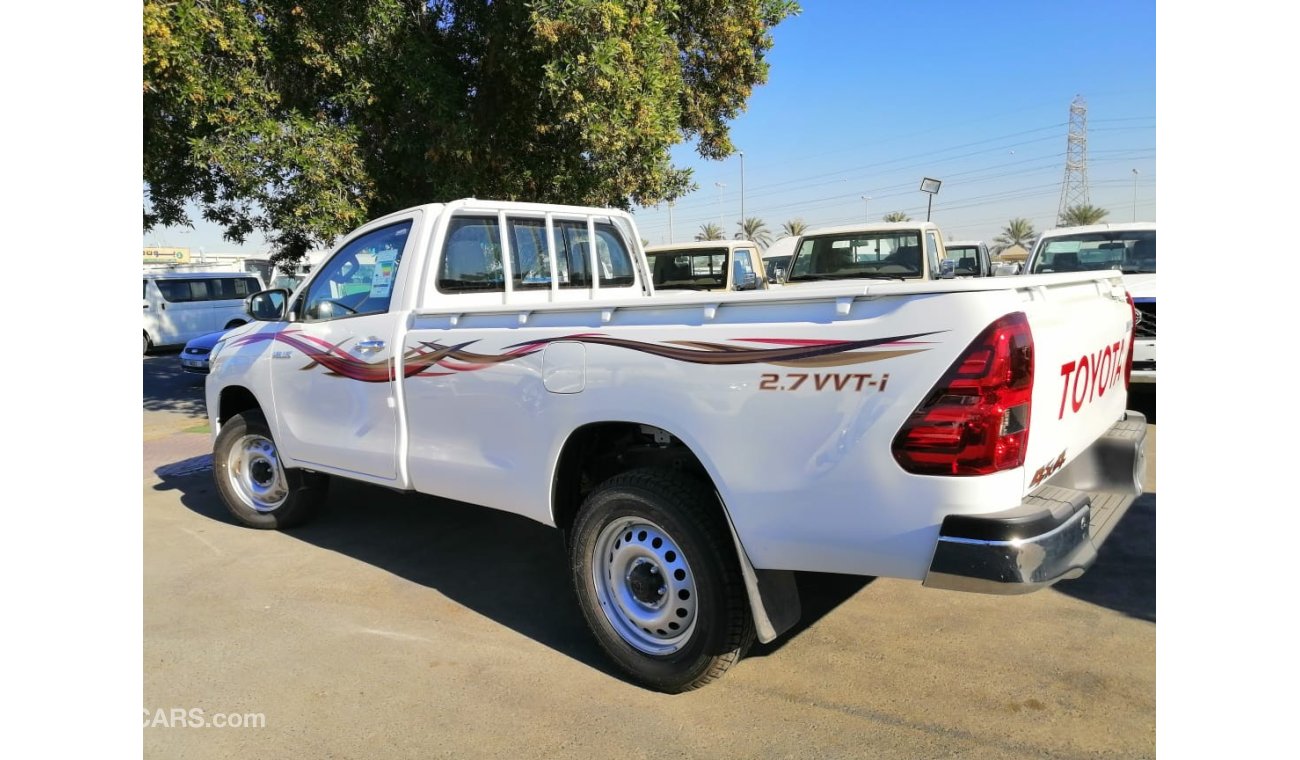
(1019, 231)
(754, 230)
(302, 118)
(897, 216)
(1084, 213)
(793, 228)
(710, 231)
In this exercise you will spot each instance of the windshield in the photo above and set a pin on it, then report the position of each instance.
(1132, 252)
(693, 269)
(892, 254)
(966, 258)
(774, 265)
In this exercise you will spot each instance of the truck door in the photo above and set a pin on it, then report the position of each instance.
(332, 365)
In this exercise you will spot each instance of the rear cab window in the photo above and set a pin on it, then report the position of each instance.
(533, 261)
(879, 254)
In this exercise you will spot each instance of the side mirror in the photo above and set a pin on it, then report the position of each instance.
(947, 269)
(267, 305)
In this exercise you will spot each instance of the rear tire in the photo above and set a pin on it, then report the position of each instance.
(148, 344)
(657, 578)
(257, 489)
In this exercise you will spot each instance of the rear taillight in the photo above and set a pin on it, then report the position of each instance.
(976, 419)
(1132, 336)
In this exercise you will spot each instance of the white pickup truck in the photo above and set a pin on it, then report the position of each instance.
(695, 448)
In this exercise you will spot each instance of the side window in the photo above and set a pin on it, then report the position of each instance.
(233, 288)
(611, 255)
(359, 278)
(528, 254)
(571, 254)
(933, 254)
(742, 269)
(471, 257)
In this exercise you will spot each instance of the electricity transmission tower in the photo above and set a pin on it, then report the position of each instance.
(1074, 189)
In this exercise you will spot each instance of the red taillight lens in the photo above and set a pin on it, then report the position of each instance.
(976, 419)
(1132, 336)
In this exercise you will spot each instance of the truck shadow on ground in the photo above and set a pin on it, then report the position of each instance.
(505, 567)
(1124, 576)
(168, 388)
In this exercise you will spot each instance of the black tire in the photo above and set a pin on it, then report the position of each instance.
(694, 545)
(256, 488)
(234, 323)
(148, 344)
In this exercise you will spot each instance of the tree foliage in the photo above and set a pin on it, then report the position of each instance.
(710, 231)
(1084, 213)
(793, 228)
(1019, 231)
(302, 118)
(754, 230)
(897, 216)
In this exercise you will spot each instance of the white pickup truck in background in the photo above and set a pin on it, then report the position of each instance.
(706, 265)
(1129, 248)
(879, 251)
(693, 450)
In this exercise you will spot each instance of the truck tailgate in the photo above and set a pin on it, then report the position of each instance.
(1082, 333)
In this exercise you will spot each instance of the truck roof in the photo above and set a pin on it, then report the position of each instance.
(872, 227)
(695, 245)
(1116, 227)
(962, 243)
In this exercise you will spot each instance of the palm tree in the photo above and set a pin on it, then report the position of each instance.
(793, 228)
(710, 231)
(753, 229)
(1019, 231)
(897, 216)
(1084, 213)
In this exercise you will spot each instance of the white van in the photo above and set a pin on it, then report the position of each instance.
(179, 306)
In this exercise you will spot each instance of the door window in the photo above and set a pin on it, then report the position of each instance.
(471, 257)
(359, 279)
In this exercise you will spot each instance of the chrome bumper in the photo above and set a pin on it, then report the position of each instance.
(1056, 531)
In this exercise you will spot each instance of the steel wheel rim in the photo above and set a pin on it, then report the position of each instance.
(645, 586)
(256, 475)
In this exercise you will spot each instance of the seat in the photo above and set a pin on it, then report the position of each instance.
(1066, 261)
(966, 265)
(907, 256)
(1144, 253)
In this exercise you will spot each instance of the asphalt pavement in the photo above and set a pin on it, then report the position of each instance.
(408, 626)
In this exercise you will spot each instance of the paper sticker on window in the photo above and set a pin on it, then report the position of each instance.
(381, 282)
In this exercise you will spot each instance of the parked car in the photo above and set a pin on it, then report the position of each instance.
(776, 259)
(880, 251)
(180, 306)
(195, 356)
(706, 265)
(971, 258)
(1128, 247)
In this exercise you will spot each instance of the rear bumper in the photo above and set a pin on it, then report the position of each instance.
(1055, 532)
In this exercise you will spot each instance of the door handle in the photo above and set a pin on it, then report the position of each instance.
(370, 344)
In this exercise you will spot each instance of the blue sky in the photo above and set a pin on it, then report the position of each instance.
(866, 98)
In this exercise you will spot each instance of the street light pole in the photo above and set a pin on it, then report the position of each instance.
(742, 188)
(670, 220)
(866, 215)
(1135, 195)
(719, 185)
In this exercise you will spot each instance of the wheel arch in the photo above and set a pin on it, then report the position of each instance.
(597, 451)
(235, 399)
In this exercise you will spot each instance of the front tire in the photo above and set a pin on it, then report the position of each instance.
(657, 578)
(255, 486)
